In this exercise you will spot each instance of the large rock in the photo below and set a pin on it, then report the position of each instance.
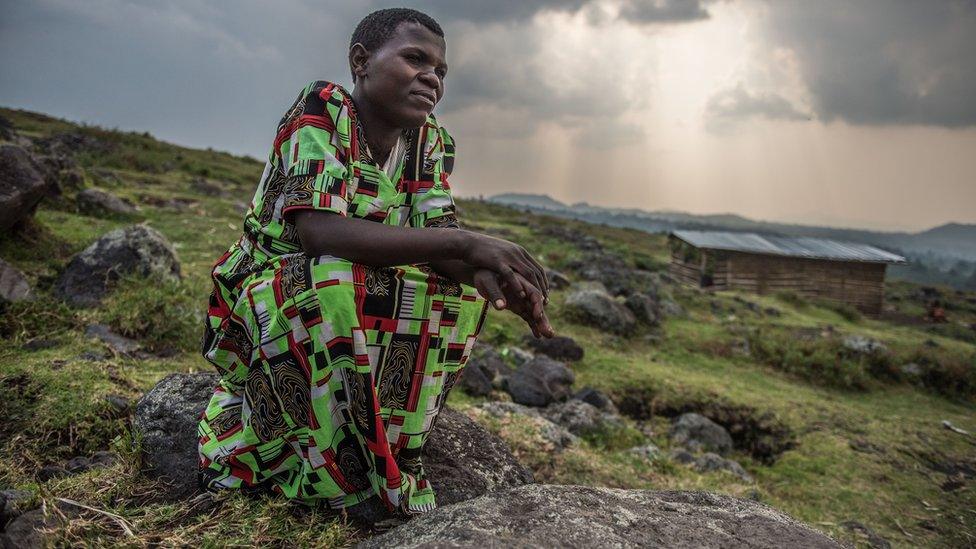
(698, 433)
(484, 371)
(13, 284)
(559, 348)
(461, 459)
(540, 382)
(555, 438)
(597, 308)
(103, 203)
(581, 418)
(134, 249)
(22, 186)
(614, 273)
(645, 308)
(540, 515)
(166, 419)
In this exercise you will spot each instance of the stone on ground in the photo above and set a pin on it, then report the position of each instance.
(557, 348)
(103, 203)
(13, 284)
(581, 418)
(136, 249)
(599, 309)
(540, 382)
(539, 515)
(22, 186)
(698, 433)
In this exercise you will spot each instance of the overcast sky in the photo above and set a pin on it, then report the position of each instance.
(855, 113)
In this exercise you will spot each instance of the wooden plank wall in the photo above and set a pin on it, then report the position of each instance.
(684, 272)
(856, 283)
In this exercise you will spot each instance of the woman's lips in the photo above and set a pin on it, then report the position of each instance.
(426, 97)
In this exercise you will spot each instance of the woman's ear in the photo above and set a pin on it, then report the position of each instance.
(358, 60)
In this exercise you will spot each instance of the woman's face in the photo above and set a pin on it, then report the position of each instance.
(404, 78)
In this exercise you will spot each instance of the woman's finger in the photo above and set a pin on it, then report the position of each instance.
(488, 287)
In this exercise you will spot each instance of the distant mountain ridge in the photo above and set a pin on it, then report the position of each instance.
(945, 244)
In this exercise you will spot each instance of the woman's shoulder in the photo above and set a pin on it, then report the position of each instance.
(318, 100)
(439, 143)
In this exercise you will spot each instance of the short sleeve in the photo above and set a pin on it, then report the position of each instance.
(432, 204)
(312, 151)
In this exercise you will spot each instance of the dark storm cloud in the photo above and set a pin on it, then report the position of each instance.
(662, 11)
(879, 62)
(729, 107)
(484, 11)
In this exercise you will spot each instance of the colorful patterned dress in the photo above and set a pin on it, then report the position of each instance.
(332, 372)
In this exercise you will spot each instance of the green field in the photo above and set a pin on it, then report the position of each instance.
(862, 440)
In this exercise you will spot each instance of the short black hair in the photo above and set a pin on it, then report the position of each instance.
(378, 27)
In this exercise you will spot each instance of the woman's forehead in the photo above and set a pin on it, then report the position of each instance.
(409, 33)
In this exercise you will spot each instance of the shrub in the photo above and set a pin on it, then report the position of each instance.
(822, 361)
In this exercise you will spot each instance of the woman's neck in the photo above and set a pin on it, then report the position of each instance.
(380, 136)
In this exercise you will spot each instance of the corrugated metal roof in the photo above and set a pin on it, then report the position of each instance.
(813, 248)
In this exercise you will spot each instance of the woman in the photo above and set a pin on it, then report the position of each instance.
(345, 313)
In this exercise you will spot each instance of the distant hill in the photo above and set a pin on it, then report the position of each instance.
(941, 255)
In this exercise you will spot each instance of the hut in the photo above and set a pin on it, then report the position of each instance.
(817, 268)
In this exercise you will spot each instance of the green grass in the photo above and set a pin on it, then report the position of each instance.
(867, 441)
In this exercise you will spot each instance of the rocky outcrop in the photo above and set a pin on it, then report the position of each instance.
(540, 382)
(103, 203)
(581, 418)
(698, 433)
(134, 249)
(484, 371)
(461, 459)
(558, 348)
(13, 284)
(597, 308)
(539, 515)
(166, 423)
(22, 186)
(646, 309)
(555, 438)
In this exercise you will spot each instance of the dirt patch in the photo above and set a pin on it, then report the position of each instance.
(760, 434)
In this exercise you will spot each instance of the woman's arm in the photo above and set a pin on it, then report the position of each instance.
(380, 245)
(375, 244)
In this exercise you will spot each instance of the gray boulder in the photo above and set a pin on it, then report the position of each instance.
(540, 382)
(557, 280)
(597, 398)
(474, 381)
(540, 515)
(134, 249)
(558, 436)
(22, 186)
(13, 284)
(581, 418)
(102, 203)
(491, 367)
(645, 308)
(713, 462)
(166, 420)
(698, 433)
(117, 343)
(461, 459)
(559, 348)
(597, 308)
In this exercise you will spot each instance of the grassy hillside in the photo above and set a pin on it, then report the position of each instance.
(830, 436)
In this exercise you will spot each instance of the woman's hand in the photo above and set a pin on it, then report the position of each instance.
(525, 299)
(508, 260)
